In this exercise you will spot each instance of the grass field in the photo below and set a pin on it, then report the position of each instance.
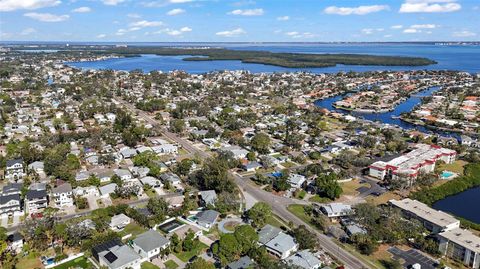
(456, 167)
(298, 211)
(318, 199)
(275, 221)
(149, 265)
(350, 187)
(134, 229)
(28, 262)
(80, 262)
(185, 256)
(170, 264)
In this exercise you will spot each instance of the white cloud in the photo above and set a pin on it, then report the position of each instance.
(367, 31)
(101, 36)
(387, 36)
(411, 31)
(429, 6)
(28, 31)
(174, 32)
(144, 23)
(11, 5)
(423, 26)
(396, 27)
(283, 18)
(46, 17)
(175, 11)
(464, 34)
(112, 2)
(360, 10)
(247, 12)
(232, 33)
(186, 29)
(82, 10)
(134, 15)
(180, 1)
(296, 34)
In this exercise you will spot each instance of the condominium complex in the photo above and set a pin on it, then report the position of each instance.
(420, 160)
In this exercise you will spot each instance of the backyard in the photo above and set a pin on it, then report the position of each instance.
(185, 256)
(80, 262)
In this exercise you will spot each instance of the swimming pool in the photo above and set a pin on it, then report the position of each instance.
(447, 174)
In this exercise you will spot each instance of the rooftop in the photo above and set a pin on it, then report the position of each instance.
(463, 238)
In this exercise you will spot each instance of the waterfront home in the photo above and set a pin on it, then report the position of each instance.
(150, 244)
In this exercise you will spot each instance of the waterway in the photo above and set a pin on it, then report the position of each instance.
(461, 58)
(464, 204)
(390, 117)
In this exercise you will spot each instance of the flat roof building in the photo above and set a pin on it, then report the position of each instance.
(433, 220)
(461, 245)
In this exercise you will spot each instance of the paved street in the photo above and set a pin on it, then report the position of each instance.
(279, 204)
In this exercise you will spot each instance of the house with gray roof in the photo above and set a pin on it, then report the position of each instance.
(63, 195)
(151, 181)
(12, 188)
(243, 263)
(36, 200)
(172, 178)
(118, 222)
(276, 241)
(335, 210)
(207, 218)
(108, 189)
(304, 259)
(150, 244)
(14, 170)
(128, 153)
(208, 197)
(10, 204)
(116, 255)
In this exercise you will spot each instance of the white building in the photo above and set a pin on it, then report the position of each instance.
(149, 244)
(461, 245)
(434, 220)
(407, 167)
(335, 210)
(63, 195)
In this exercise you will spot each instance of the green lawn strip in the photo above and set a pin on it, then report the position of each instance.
(149, 265)
(276, 221)
(185, 256)
(298, 211)
(132, 228)
(81, 262)
(318, 199)
(170, 264)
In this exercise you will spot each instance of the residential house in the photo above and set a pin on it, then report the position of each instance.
(149, 244)
(36, 200)
(243, 263)
(172, 178)
(86, 191)
(14, 170)
(123, 174)
(118, 222)
(10, 204)
(296, 180)
(108, 189)
(276, 241)
(304, 259)
(151, 181)
(15, 242)
(115, 255)
(63, 195)
(208, 197)
(252, 166)
(335, 210)
(207, 218)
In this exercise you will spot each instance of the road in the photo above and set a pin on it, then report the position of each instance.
(279, 204)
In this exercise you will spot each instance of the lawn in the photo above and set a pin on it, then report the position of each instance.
(170, 264)
(149, 265)
(30, 261)
(185, 256)
(275, 221)
(350, 187)
(298, 211)
(80, 262)
(382, 199)
(456, 167)
(151, 193)
(317, 199)
(132, 228)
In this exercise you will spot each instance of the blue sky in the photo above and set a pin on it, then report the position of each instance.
(239, 20)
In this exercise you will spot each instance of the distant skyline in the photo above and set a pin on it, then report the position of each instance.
(239, 21)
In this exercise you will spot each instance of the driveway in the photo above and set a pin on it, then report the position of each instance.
(5, 221)
(16, 219)
(159, 191)
(92, 202)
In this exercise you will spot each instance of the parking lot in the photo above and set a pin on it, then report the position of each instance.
(413, 256)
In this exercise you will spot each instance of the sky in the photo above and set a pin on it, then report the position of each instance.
(239, 20)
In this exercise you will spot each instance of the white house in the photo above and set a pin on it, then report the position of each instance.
(335, 210)
(149, 244)
(14, 170)
(118, 222)
(296, 180)
(63, 195)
